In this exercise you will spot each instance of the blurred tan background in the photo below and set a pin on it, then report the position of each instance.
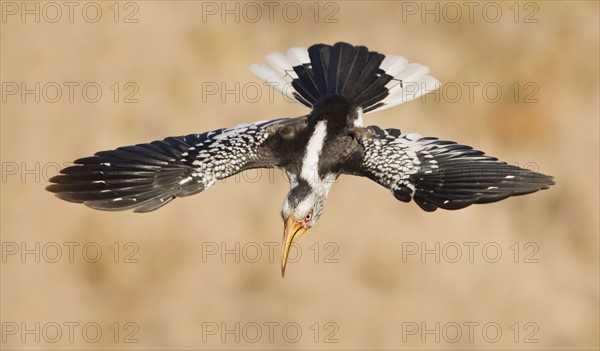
(164, 284)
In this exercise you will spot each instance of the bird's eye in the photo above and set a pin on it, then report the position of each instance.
(308, 216)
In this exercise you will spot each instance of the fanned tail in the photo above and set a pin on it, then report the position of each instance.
(368, 79)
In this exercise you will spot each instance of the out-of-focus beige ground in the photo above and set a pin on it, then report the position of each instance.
(356, 285)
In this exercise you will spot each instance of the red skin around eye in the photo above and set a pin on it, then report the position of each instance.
(307, 222)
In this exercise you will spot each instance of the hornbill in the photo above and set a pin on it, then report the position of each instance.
(340, 84)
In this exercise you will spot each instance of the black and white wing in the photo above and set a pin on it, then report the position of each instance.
(370, 80)
(438, 173)
(145, 177)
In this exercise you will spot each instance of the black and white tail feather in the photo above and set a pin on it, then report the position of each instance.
(368, 79)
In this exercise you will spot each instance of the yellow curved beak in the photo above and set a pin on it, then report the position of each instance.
(292, 231)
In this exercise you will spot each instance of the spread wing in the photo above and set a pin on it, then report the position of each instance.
(437, 173)
(145, 177)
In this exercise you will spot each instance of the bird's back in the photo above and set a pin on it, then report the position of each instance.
(340, 82)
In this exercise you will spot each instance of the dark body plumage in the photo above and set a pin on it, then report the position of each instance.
(341, 83)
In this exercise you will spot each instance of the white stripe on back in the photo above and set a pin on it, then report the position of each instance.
(310, 162)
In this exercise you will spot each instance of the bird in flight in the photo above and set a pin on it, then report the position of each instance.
(340, 84)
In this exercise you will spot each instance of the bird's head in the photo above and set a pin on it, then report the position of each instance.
(302, 208)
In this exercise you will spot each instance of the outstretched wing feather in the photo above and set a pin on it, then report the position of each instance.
(440, 174)
(145, 177)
